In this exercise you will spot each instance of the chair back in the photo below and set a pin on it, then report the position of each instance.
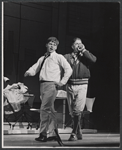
(30, 98)
(89, 103)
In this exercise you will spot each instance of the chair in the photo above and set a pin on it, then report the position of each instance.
(89, 103)
(36, 112)
(27, 98)
(8, 110)
(16, 97)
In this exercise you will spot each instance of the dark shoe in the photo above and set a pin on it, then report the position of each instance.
(52, 138)
(73, 137)
(79, 136)
(41, 138)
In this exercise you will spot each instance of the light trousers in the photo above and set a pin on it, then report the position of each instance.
(76, 95)
(48, 94)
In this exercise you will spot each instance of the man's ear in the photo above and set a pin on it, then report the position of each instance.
(72, 46)
(46, 45)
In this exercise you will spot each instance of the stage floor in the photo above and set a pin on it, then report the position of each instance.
(89, 140)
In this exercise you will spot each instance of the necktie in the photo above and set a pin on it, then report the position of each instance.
(45, 57)
(75, 59)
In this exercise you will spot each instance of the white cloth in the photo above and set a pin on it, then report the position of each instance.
(51, 70)
(6, 79)
(14, 94)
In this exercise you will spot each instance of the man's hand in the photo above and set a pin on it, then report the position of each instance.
(81, 47)
(27, 74)
(58, 84)
(14, 86)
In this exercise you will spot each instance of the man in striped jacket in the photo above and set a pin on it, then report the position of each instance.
(80, 60)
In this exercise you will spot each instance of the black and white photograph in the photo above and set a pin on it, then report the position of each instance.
(60, 74)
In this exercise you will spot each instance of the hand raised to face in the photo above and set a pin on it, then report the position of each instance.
(27, 74)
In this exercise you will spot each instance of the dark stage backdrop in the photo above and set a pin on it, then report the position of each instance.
(28, 25)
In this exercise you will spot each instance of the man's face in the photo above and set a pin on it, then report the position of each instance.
(51, 46)
(76, 45)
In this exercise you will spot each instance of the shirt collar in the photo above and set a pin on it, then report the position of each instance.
(73, 55)
(53, 53)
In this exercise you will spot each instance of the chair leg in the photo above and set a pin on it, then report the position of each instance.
(58, 138)
(9, 104)
(70, 122)
(29, 125)
(82, 121)
(17, 121)
(7, 120)
(38, 125)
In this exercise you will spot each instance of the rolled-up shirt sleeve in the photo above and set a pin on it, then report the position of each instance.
(67, 69)
(36, 67)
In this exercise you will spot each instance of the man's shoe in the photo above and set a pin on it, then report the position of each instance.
(79, 136)
(41, 138)
(52, 138)
(73, 137)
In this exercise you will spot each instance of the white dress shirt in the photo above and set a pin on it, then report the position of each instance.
(51, 69)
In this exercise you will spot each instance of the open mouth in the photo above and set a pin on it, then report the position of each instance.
(51, 48)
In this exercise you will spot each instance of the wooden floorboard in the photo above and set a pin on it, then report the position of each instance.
(89, 140)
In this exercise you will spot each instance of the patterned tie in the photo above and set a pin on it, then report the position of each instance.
(76, 61)
(45, 57)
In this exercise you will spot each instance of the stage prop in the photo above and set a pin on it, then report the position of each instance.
(15, 98)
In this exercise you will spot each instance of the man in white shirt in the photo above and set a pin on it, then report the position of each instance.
(50, 79)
